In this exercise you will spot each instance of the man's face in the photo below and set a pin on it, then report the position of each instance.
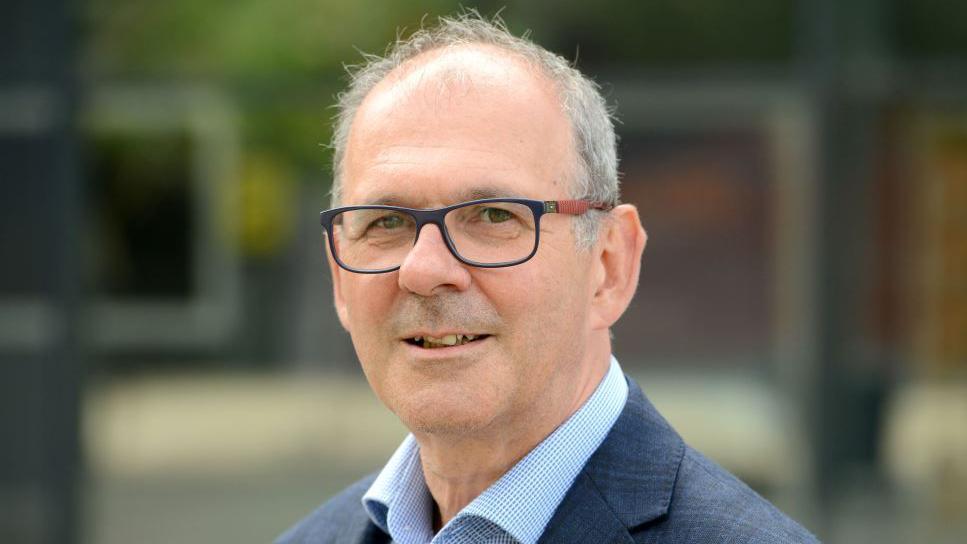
(445, 129)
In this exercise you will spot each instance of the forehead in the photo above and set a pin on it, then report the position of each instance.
(462, 122)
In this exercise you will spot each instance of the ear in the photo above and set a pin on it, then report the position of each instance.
(621, 241)
(340, 302)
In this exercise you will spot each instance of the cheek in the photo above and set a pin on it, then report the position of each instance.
(367, 296)
(546, 303)
(368, 300)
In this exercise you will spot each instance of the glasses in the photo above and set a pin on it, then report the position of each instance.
(487, 233)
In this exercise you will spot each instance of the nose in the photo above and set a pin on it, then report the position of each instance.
(430, 267)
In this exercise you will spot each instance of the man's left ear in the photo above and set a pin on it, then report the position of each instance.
(621, 241)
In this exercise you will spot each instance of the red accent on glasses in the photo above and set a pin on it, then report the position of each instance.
(578, 207)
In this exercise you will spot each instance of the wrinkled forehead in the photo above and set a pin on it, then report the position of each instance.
(459, 122)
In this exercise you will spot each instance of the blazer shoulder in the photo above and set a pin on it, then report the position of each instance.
(340, 519)
(709, 504)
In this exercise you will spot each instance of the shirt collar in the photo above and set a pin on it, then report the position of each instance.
(523, 500)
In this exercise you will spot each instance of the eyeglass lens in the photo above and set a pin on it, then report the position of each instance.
(486, 233)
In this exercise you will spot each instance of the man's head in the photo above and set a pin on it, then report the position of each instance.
(594, 176)
(457, 113)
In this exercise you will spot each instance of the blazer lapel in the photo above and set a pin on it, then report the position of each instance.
(627, 483)
(583, 516)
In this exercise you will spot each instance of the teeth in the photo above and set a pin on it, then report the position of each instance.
(448, 340)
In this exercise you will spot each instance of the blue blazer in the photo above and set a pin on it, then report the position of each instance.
(643, 484)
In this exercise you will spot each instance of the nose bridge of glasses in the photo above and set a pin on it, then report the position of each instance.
(423, 218)
(440, 248)
(425, 221)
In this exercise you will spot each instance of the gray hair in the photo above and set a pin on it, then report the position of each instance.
(596, 176)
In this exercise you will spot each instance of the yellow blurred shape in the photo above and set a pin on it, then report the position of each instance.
(267, 198)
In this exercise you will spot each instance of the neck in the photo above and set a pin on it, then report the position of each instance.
(458, 468)
(457, 471)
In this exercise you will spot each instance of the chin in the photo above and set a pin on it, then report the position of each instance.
(463, 417)
(440, 427)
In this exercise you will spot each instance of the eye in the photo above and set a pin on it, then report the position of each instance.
(495, 215)
(388, 222)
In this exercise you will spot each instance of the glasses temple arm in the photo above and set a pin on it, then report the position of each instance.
(574, 207)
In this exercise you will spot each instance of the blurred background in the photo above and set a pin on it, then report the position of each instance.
(171, 369)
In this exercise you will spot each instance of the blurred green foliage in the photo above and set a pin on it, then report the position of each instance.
(930, 28)
(241, 40)
(282, 61)
(666, 34)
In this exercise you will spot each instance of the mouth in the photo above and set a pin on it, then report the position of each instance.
(445, 341)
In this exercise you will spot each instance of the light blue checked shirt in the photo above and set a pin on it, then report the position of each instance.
(518, 506)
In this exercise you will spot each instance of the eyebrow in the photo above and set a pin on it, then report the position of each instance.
(471, 193)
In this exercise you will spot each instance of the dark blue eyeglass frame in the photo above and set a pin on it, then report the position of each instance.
(435, 216)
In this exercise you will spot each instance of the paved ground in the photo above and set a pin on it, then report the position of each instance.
(229, 459)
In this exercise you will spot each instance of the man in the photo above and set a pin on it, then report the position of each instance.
(479, 256)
